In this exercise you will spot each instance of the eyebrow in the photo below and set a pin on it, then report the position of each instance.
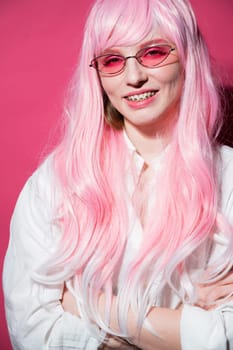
(154, 41)
(144, 44)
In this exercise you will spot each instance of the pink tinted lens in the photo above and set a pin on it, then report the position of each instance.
(110, 63)
(152, 56)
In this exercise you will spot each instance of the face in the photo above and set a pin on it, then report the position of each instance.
(147, 98)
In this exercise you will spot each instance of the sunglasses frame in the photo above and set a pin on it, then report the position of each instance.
(139, 54)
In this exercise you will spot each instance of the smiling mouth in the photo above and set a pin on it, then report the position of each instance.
(141, 97)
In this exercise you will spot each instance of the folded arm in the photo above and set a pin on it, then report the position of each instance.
(188, 327)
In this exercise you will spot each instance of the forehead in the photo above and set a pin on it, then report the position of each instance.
(151, 39)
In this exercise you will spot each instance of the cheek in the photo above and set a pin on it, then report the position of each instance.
(104, 86)
(109, 85)
(171, 74)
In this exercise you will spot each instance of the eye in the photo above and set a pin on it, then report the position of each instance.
(156, 51)
(111, 60)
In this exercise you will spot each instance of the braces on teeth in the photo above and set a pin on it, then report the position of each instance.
(141, 97)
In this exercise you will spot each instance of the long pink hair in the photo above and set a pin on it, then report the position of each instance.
(91, 166)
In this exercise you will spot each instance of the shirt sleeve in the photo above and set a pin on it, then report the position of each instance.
(207, 330)
(213, 330)
(35, 317)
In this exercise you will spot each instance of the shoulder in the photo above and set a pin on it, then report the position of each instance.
(33, 228)
(226, 155)
(43, 176)
(226, 166)
(41, 185)
(226, 180)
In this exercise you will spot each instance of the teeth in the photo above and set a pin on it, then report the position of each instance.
(141, 97)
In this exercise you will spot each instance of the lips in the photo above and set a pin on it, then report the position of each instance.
(140, 96)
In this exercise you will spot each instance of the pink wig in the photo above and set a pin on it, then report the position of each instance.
(91, 164)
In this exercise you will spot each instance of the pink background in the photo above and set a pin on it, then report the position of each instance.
(39, 43)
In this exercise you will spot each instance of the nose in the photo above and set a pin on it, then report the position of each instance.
(135, 73)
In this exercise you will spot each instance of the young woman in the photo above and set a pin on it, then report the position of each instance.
(123, 236)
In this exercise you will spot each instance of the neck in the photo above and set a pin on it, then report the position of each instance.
(148, 143)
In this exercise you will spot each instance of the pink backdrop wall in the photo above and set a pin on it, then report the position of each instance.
(39, 45)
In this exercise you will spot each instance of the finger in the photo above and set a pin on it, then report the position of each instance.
(117, 343)
(212, 295)
(220, 292)
(224, 280)
(228, 279)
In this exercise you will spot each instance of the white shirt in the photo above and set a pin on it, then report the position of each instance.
(36, 319)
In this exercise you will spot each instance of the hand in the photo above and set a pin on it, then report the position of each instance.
(212, 295)
(117, 343)
(164, 321)
(69, 303)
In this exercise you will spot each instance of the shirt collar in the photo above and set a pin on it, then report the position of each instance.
(138, 159)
